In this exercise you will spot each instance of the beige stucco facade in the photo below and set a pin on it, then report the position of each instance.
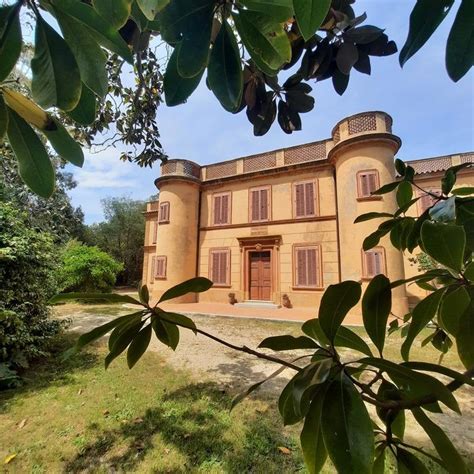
(184, 234)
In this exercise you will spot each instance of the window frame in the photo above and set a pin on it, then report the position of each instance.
(165, 265)
(365, 275)
(229, 209)
(319, 273)
(360, 195)
(152, 269)
(316, 198)
(160, 213)
(226, 250)
(268, 188)
(421, 194)
(154, 235)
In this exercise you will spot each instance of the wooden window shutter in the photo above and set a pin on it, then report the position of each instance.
(155, 231)
(223, 267)
(224, 209)
(378, 263)
(264, 202)
(364, 185)
(164, 212)
(152, 268)
(309, 199)
(301, 267)
(369, 264)
(217, 209)
(311, 259)
(299, 200)
(220, 267)
(372, 183)
(255, 205)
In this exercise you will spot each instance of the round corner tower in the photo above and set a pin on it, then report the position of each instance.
(363, 158)
(177, 235)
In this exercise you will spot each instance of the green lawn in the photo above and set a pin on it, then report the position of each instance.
(151, 419)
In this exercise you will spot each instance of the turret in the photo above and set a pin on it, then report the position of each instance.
(177, 236)
(363, 157)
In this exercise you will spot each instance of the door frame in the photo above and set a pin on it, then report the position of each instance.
(260, 244)
(249, 270)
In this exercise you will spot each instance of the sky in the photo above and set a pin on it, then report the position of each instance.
(433, 116)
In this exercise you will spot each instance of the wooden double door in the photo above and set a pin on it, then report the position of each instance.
(260, 278)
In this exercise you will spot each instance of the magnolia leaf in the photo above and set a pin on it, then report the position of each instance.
(85, 111)
(310, 15)
(3, 117)
(10, 39)
(64, 145)
(194, 285)
(116, 12)
(151, 7)
(138, 346)
(285, 343)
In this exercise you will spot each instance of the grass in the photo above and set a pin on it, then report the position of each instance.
(151, 419)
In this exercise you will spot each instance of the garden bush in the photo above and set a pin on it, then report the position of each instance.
(28, 266)
(87, 269)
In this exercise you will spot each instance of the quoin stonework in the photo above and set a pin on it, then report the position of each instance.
(278, 227)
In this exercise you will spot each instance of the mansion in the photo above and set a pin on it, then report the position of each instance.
(278, 227)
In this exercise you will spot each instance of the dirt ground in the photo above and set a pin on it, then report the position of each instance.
(206, 359)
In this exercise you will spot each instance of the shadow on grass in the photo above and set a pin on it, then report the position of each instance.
(194, 421)
(53, 370)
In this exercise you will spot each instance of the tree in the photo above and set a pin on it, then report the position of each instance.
(28, 265)
(122, 235)
(87, 269)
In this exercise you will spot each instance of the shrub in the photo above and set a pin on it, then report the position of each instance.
(28, 266)
(87, 269)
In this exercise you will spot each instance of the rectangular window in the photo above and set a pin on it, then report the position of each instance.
(219, 267)
(307, 266)
(373, 262)
(426, 200)
(164, 216)
(305, 197)
(260, 204)
(367, 183)
(154, 231)
(221, 208)
(152, 268)
(160, 267)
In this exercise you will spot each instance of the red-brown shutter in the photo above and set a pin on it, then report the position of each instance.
(299, 200)
(152, 268)
(223, 268)
(217, 210)
(155, 231)
(159, 267)
(301, 271)
(372, 183)
(224, 209)
(309, 199)
(263, 205)
(255, 205)
(378, 263)
(369, 264)
(312, 266)
(215, 267)
(364, 185)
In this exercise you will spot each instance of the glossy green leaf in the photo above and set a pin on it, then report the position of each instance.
(448, 181)
(376, 307)
(444, 243)
(312, 443)
(90, 57)
(64, 145)
(123, 326)
(286, 343)
(116, 12)
(124, 339)
(422, 314)
(102, 31)
(372, 240)
(310, 15)
(347, 428)
(460, 46)
(440, 369)
(404, 193)
(469, 272)
(102, 330)
(386, 188)
(167, 333)
(225, 76)
(278, 10)
(265, 39)
(143, 293)
(340, 81)
(3, 118)
(446, 450)
(194, 285)
(379, 462)
(408, 463)
(346, 57)
(86, 109)
(177, 89)
(10, 38)
(56, 78)
(464, 343)
(424, 19)
(363, 35)
(150, 8)
(371, 215)
(452, 308)
(396, 420)
(418, 383)
(138, 346)
(336, 302)
(286, 405)
(463, 191)
(107, 297)
(465, 218)
(34, 165)
(178, 319)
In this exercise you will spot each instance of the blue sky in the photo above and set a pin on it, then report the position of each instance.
(432, 115)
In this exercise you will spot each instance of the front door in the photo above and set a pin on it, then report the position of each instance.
(260, 275)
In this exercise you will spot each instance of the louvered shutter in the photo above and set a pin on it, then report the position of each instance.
(301, 269)
(223, 268)
(263, 205)
(372, 183)
(159, 267)
(309, 199)
(224, 209)
(369, 264)
(152, 268)
(155, 231)
(312, 266)
(217, 210)
(378, 263)
(255, 205)
(215, 267)
(364, 185)
(425, 202)
(299, 200)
